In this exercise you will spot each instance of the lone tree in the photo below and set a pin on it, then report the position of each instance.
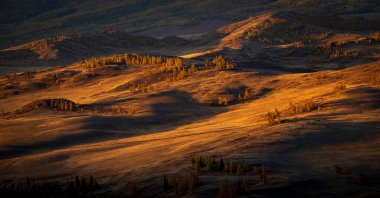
(166, 185)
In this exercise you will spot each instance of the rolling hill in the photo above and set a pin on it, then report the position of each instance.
(128, 137)
(280, 38)
(23, 21)
(264, 98)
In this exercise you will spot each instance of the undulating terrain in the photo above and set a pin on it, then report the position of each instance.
(278, 104)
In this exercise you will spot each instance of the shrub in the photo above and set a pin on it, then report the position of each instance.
(335, 54)
(274, 117)
(207, 64)
(141, 87)
(247, 94)
(339, 87)
(240, 98)
(118, 109)
(222, 101)
(131, 112)
(304, 106)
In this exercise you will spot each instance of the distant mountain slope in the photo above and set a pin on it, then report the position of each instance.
(68, 49)
(274, 38)
(22, 20)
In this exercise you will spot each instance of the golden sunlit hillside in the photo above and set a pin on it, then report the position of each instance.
(266, 101)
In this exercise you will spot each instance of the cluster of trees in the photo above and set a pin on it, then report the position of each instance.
(243, 187)
(208, 163)
(141, 87)
(127, 59)
(80, 187)
(231, 189)
(128, 111)
(166, 64)
(320, 36)
(169, 69)
(304, 106)
(134, 59)
(186, 183)
(95, 62)
(333, 52)
(221, 63)
(346, 53)
(247, 93)
(225, 101)
(55, 104)
(171, 63)
(274, 117)
(181, 184)
(181, 73)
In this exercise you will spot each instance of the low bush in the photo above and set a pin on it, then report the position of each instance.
(222, 101)
(274, 117)
(304, 106)
(340, 87)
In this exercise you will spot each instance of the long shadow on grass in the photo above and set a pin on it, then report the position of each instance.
(173, 109)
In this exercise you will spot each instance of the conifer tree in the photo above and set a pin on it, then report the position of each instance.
(246, 94)
(166, 185)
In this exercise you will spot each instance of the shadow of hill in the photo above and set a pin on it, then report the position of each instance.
(173, 109)
(315, 182)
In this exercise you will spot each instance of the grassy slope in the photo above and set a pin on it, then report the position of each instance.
(121, 149)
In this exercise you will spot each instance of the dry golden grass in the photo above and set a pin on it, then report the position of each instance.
(146, 146)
